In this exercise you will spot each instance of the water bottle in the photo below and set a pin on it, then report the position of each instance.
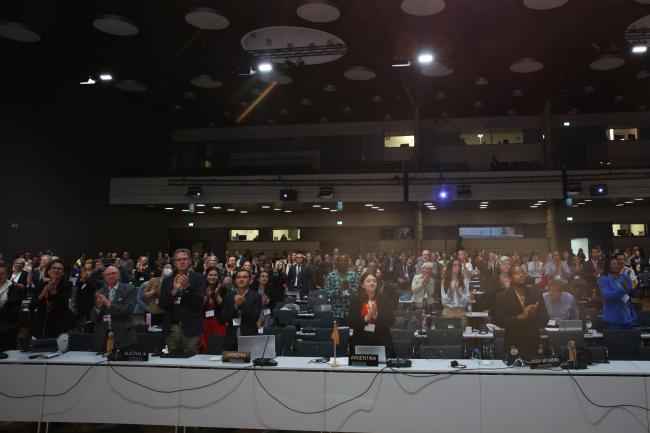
(469, 308)
(423, 324)
(110, 342)
(147, 320)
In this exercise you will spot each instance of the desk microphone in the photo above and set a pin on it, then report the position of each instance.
(455, 364)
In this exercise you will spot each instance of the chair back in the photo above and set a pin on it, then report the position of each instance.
(314, 348)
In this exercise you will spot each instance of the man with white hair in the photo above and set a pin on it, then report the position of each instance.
(422, 286)
(113, 311)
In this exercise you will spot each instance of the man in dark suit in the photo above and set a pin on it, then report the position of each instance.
(591, 270)
(113, 311)
(181, 296)
(240, 310)
(521, 311)
(299, 276)
(404, 273)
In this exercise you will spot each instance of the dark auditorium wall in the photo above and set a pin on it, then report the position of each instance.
(58, 158)
(571, 145)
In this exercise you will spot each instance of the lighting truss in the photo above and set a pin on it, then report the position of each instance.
(300, 52)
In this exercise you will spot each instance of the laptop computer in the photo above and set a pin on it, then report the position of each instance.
(44, 345)
(569, 325)
(259, 346)
(380, 351)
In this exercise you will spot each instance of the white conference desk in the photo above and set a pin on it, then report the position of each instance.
(486, 397)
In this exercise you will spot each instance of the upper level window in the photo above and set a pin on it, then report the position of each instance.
(286, 234)
(622, 134)
(486, 232)
(474, 137)
(629, 230)
(244, 235)
(399, 141)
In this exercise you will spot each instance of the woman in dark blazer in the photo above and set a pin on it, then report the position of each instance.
(51, 315)
(371, 315)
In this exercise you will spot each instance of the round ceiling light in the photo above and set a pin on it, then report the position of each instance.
(205, 82)
(329, 88)
(422, 8)
(18, 32)
(436, 70)
(517, 92)
(318, 11)
(206, 18)
(130, 85)
(543, 5)
(642, 74)
(276, 77)
(526, 66)
(359, 73)
(643, 2)
(607, 62)
(115, 25)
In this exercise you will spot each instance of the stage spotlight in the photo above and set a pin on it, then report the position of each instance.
(599, 189)
(443, 193)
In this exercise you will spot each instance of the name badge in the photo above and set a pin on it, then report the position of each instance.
(236, 321)
(625, 298)
(107, 318)
(370, 327)
(177, 300)
(209, 313)
(266, 312)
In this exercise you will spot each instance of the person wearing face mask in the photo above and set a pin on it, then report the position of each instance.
(214, 298)
(51, 315)
(371, 315)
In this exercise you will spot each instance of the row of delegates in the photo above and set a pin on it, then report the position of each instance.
(371, 315)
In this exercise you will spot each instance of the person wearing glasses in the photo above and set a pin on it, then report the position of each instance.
(113, 311)
(51, 315)
(181, 296)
